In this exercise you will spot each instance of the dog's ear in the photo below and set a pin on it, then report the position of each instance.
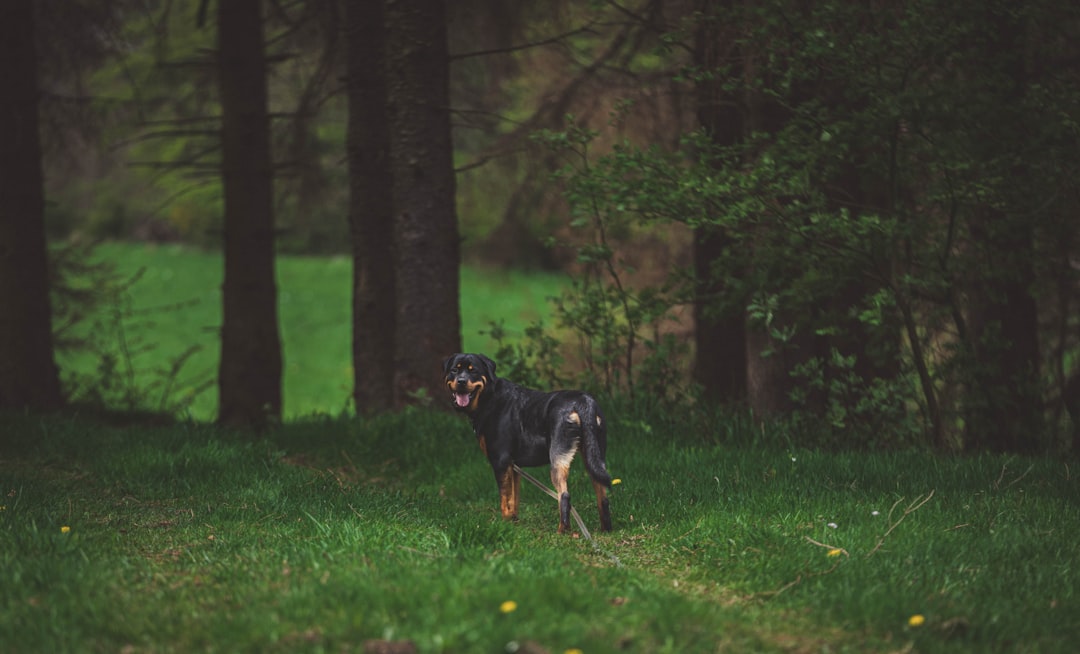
(488, 363)
(449, 362)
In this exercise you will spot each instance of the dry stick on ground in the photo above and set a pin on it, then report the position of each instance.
(831, 548)
(1001, 477)
(911, 508)
(915, 505)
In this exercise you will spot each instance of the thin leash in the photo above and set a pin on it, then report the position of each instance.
(573, 512)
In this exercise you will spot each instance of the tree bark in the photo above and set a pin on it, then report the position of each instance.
(1003, 411)
(250, 370)
(1004, 408)
(371, 209)
(428, 319)
(720, 364)
(28, 374)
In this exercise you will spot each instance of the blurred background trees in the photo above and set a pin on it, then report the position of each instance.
(857, 216)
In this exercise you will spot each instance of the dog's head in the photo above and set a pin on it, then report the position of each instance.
(467, 376)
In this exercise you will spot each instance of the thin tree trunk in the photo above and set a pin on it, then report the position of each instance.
(250, 373)
(428, 320)
(371, 209)
(28, 373)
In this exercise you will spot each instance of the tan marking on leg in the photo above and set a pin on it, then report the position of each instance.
(483, 444)
(560, 471)
(507, 501)
(515, 493)
(563, 461)
(559, 474)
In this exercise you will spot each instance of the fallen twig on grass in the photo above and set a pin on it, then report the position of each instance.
(831, 548)
(914, 506)
(1001, 477)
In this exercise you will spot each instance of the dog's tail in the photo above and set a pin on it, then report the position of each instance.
(594, 442)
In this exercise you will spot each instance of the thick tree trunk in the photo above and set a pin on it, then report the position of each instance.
(428, 320)
(719, 336)
(250, 372)
(371, 209)
(1004, 408)
(1003, 405)
(28, 373)
(769, 363)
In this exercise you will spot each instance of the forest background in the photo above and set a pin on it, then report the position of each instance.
(860, 217)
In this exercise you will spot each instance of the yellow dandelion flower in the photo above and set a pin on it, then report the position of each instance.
(836, 551)
(916, 620)
(573, 650)
(614, 482)
(509, 606)
(65, 529)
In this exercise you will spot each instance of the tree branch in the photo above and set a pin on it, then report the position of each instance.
(587, 28)
(915, 505)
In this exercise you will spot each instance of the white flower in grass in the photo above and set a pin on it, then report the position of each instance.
(832, 525)
(875, 512)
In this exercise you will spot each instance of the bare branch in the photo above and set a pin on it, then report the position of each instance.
(915, 505)
(584, 29)
(831, 548)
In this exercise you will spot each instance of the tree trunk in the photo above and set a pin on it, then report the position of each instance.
(28, 373)
(428, 320)
(371, 209)
(719, 336)
(250, 372)
(1004, 408)
(769, 363)
(1003, 411)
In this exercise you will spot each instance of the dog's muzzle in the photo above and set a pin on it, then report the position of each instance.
(464, 392)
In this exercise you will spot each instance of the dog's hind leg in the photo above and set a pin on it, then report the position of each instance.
(602, 504)
(594, 448)
(560, 471)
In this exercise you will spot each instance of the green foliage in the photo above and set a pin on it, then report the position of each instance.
(619, 328)
(532, 361)
(333, 532)
(873, 414)
(895, 178)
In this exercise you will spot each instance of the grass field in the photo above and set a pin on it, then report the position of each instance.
(176, 304)
(335, 532)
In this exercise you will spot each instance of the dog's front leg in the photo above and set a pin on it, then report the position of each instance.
(509, 489)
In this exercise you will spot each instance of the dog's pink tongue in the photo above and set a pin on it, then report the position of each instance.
(462, 399)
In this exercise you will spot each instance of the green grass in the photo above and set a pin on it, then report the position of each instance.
(335, 531)
(176, 304)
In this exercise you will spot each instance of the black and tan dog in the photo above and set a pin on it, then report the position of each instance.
(520, 426)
